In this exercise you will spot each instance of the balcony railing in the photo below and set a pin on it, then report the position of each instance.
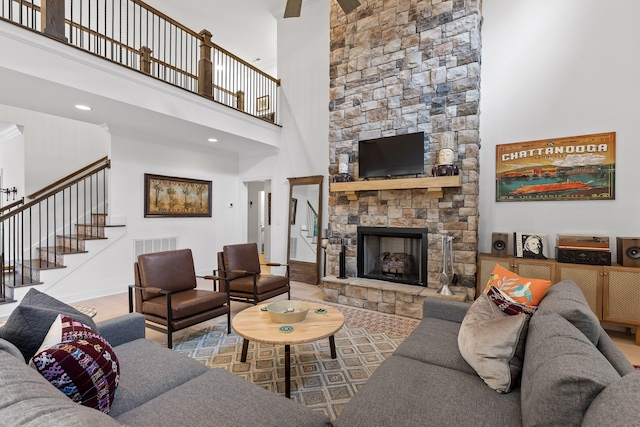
(134, 34)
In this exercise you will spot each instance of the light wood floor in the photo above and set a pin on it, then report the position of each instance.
(116, 305)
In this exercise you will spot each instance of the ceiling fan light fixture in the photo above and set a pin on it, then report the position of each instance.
(293, 8)
(348, 6)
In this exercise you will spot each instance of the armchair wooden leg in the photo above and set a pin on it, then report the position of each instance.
(169, 322)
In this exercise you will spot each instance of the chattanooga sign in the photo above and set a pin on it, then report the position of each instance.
(574, 168)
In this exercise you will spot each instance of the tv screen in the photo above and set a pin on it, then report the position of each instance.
(392, 156)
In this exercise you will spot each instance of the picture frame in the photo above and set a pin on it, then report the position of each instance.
(293, 211)
(577, 168)
(262, 103)
(269, 208)
(531, 245)
(169, 196)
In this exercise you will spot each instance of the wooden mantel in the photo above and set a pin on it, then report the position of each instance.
(435, 185)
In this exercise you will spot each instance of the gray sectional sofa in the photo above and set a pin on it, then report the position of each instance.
(158, 387)
(572, 374)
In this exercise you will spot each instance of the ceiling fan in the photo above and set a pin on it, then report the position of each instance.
(293, 7)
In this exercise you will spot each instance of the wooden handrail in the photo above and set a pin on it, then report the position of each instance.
(168, 19)
(68, 184)
(12, 205)
(72, 175)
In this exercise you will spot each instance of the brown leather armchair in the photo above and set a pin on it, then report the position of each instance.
(239, 271)
(165, 292)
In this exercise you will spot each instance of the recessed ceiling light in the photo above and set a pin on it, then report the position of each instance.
(212, 140)
(83, 107)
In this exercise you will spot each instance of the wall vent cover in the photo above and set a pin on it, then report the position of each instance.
(158, 244)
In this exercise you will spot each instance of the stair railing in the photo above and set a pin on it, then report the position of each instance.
(35, 234)
(312, 228)
(138, 36)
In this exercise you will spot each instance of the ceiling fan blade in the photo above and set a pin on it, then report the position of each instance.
(292, 9)
(348, 5)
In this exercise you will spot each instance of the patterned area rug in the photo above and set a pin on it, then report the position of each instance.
(317, 381)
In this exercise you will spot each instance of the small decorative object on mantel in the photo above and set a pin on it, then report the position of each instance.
(343, 169)
(446, 157)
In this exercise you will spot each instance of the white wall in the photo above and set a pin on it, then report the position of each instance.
(12, 162)
(303, 67)
(54, 146)
(132, 157)
(554, 69)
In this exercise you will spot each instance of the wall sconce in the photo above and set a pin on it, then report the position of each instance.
(8, 191)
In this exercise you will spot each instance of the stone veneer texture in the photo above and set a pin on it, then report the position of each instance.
(404, 66)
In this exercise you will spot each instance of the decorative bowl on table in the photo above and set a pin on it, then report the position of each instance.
(288, 311)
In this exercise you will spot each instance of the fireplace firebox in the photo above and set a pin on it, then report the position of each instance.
(393, 254)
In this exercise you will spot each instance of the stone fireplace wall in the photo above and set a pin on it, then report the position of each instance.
(403, 66)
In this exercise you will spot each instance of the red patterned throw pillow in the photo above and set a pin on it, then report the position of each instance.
(507, 305)
(80, 363)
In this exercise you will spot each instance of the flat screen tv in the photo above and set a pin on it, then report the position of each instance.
(391, 156)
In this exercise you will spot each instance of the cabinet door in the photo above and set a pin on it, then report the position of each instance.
(485, 266)
(621, 295)
(535, 268)
(589, 280)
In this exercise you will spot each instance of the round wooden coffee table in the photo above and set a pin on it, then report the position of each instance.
(254, 324)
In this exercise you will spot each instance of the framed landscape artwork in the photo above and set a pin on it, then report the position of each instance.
(168, 196)
(573, 168)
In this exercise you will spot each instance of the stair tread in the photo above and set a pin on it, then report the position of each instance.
(62, 250)
(40, 264)
(16, 280)
(83, 237)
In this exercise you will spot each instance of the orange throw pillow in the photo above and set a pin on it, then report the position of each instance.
(523, 290)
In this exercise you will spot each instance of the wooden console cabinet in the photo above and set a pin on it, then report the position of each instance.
(612, 292)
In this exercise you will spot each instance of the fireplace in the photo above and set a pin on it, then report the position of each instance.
(393, 254)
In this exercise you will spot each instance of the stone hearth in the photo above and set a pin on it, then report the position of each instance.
(385, 297)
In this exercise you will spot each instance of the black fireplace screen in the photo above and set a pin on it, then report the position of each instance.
(393, 254)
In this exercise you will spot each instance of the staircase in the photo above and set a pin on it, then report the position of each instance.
(57, 222)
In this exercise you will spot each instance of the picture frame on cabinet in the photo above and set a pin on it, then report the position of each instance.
(530, 245)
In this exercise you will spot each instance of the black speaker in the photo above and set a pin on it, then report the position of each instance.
(628, 249)
(500, 244)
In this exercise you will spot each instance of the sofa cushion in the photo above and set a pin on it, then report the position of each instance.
(405, 392)
(435, 341)
(27, 399)
(492, 342)
(29, 322)
(81, 364)
(11, 349)
(616, 405)
(524, 290)
(566, 299)
(222, 399)
(563, 372)
(147, 371)
(610, 350)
